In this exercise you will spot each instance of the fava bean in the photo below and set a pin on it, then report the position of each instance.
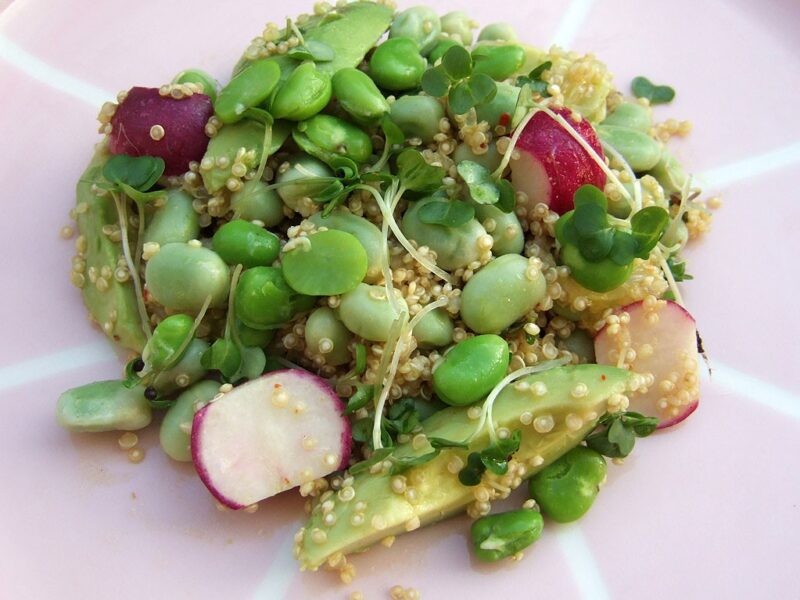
(631, 115)
(397, 64)
(175, 221)
(176, 428)
(254, 361)
(499, 536)
(358, 96)
(471, 369)
(366, 312)
(418, 116)
(327, 336)
(223, 150)
(669, 173)
(367, 234)
(169, 336)
(504, 103)
(248, 89)
(421, 24)
(490, 159)
(500, 293)
(306, 92)
(676, 235)
(260, 338)
(201, 78)
(188, 369)
(255, 201)
(264, 300)
(182, 276)
(582, 344)
(639, 150)
(242, 242)
(459, 26)
(303, 169)
(103, 406)
(503, 227)
(566, 489)
(338, 136)
(434, 330)
(498, 61)
(497, 32)
(326, 263)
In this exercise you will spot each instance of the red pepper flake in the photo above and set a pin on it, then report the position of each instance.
(505, 119)
(602, 377)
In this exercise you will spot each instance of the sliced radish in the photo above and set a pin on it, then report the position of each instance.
(149, 124)
(269, 435)
(552, 165)
(658, 340)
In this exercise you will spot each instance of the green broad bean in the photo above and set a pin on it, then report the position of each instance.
(639, 150)
(582, 344)
(306, 168)
(247, 89)
(441, 47)
(459, 26)
(264, 300)
(566, 489)
(500, 293)
(421, 24)
(103, 406)
(242, 242)
(631, 115)
(257, 338)
(175, 221)
(669, 173)
(434, 330)
(497, 32)
(338, 136)
(188, 370)
(201, 78)
(499, 536)
(471, 369)
(397, 64)
(223, 149)
(176, 428)
(306, 92)
(327, 336)
(366, 232)
(455, 247)
(418, 116)
(162, 348)
(182, 276)
(677, 234)
(504, 228)
(366, 312)
(498, 61)
(358, 96)
(326, 263)
(504, 103)
(490, 159)
(255, 201)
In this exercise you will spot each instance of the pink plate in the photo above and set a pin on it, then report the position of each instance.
(706, 509)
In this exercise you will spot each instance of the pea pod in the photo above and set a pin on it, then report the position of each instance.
(499, 536)
(397, 64)
(471, 369)
(201, 78)
(242, 242)
(421, 24)
(176, 428)
(256, 201)
(434, 330)
(306, 92)
(247, 89)
(358, 96)
(337, 136)
(366, 312)
(327, 336)
(500, 293)
(168, 337)
(566, 489)
(418, 116)
(175, 221)
(498, 61)
(103, 406)
(367, 234)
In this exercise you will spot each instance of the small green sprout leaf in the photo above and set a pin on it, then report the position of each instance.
(471, 474)
(479, 180)
(482, 87)
(450, 213)
(590, 194)
(436, 82)
(616, 433)
(624, 249)
(374, 459)
(402, 417)
(399, 465)
(457, 62)
(508, 199)
(441, 443)
(678, 269)
(361, 359)
(642, 87)
(416, 174)
(460, 98)
(647, 226)
(495, 457)
(589, 218)
(223, 356)
(137, 172)
(360, 398)
(596, 246)
(534, 79)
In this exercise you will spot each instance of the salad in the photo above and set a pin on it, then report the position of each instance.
(399, 269)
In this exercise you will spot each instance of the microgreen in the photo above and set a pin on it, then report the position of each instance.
(376, 457)
(134, 175)
(534, 79)
(494, 458)
(361, 359)
(678, 269)
(454, 78)
(450, 213)
(616, 433)
(642, 87)
(360, 398)
(223, 356)
(479, 180)
(401, 464)
(416, 174)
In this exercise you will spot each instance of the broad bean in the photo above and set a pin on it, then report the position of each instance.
(326, 263)
(169, 336)
(421, 24)
(498, 61)
(306, 92)
(175, 221)
(103, 406)
(497, 32)
(366, 312)
(260, 338)
(327, 336)
(582, 344)
(304, 169)
(504, 228)
(418, 116)
(490, 159)
(639, 150)
(367, 234)
(187, 370)
(669, 173)
(248, 89)
(242, 242)
(397, 64)
(499, 536)
(176, 428)
(264, 300)
(471, 369)
(256, 201)
(434, 330)
(338, 137)
(631, 115)
(501, 108)
(459, 26)
(201, 78)
(358, 96)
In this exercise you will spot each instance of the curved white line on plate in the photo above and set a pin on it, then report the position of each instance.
(751, 167)
(573, 19)
(755, 389)
(51, 76)
(280, 574)
(42, 367)
(582, 563)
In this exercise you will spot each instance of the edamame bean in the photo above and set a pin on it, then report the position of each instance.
(434, 330)
(582, 344)
(254, 201)
(631, 115)
(188, 369)
(455, 247)
(497, 32)
(175, 221)
(499, 536)
(503, 227)
(418, 116)
(247, 89)
(260, 338)
(182, 276)
(459, 26)
(326, 263)
(304, 169)
(498, 61)
(566, 489)
(441, 47)
(397, 64)
(358, 96)
(338, 136)
(490, 159)
(264, 300)
(201, 78)
(162, 348)
(103, 406)
(366, 312)
(327, 336)
(241, 242)
(367, 234)
(638, 149)
(176, 428)
(500, 293)
(421, 24)
(501, 108)
(306, 92)
(471, 369)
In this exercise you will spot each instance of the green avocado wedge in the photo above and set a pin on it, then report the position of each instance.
(376, 509)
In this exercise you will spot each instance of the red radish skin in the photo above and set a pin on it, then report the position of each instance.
(269, 435)
(663, 335)
(552, 165)
(183, 121)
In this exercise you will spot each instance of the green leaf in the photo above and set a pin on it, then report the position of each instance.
(622, 437)
(534, 80)
(647, 226)
(565, 229)
(460, 97)
(360, 398)
(616, 433)
(471, 474)
(361, 359)
(508, 198)
(416, 174)
(538, 71)
(678, 269)
(331, 191)
(375, 458)
(457, 62)
(482, 87)
(393, 134)
(402, 417)
(642, 87)
(595, 246)
(138, 196)
(495, 457)
(399, 465)
(642, 426)
(435, 81)
(450, 213)
(223, 356)
(479, 180)
(138, 172)
(624, 248)
(361, 430)
(589, 218)
(589, 194)
(312, 50)
(441, 443)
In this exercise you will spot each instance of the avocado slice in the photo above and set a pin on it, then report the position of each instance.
(375, 510)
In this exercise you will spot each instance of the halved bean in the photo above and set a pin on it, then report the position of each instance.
(103, 406)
